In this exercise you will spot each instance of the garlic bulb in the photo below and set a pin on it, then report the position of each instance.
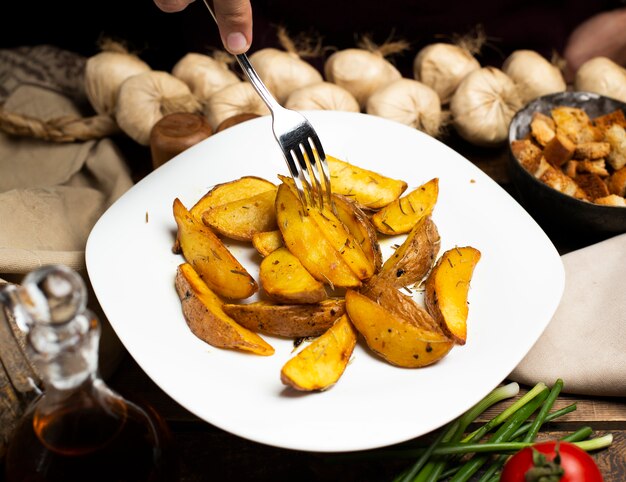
(362, 71)
(145, 98)
(322, 96)
(240, 98)
(533, 75)
(602, 76)
(203, 74)
(443, 66)
(105, 72)
(483, 105)
(283, 72)
(409, 102)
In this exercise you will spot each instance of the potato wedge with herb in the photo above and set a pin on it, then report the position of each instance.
(413, 259)
(203, 312)
(398, 340)
(361, 228)
(285, 280)
(267, 241)
(293, 321)
(368, 189)
(228, 192)
(305, 240)
(446, 291)
(321, 364)
(214, 263)
(403, 214)
(243, 218)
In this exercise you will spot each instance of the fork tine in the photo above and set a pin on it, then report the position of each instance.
(314, 174)
(302, 179)
(322, 168)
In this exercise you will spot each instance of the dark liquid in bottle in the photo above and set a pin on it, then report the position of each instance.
(120, 443)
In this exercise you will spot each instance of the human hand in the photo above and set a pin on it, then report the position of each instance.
(603, 35)
(234, 19)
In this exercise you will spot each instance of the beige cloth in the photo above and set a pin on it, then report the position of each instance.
(585, 342)
(51, 195)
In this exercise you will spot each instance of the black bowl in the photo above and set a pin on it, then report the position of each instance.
(551, 208)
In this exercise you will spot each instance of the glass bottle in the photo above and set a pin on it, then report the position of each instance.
(77, 429)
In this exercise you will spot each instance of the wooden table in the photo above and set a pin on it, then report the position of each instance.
(208, 453)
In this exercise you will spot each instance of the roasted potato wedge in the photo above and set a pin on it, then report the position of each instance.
(305, 239)
(446, 291)
(399, 341)
(243, 218)
(203, 312)
(402, 215)
(413, 259)
(368, 189)
(321, 364)
(228, 192)
(214, 263)
(285, 280)
(361, 228)
(266, 242)
(293, 321)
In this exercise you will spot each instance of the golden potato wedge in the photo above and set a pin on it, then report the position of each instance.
(368, 189)
(293, 321)
(285, 280)
(321, 364)
(397, 340)
(228, 192)
(400, 216)
(413, 259)
(304, 238)
(446, 291)
(206, 253)
(266, 242)
(203, 312)
(243, 218)
(361, 228)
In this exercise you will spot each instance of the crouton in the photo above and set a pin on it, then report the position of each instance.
(556, 179)
(617, 182)
(575, 124)
(593, 186)
(559, 150)
(616, 137)
(607, 120)
(592, 150)
(611, 200)
(527, 153)
(542, 128)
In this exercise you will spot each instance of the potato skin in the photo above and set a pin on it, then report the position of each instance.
(293, 321)
(321, 364)
(399, 341)
(447, 288)
(266, 242)
(285, 280)
(203, 313)
(413, 259)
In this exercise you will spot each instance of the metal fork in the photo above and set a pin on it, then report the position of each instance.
(296, 137)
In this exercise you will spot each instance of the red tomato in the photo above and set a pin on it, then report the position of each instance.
(572, 465)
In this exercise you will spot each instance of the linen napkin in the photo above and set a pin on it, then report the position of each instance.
(585, 342)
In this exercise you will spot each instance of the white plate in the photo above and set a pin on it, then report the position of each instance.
(515, 290)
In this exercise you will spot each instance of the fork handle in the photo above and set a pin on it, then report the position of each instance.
(254, 78)
(257, 83)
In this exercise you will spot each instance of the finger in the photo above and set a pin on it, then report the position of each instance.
(172, 5)
(234, 18)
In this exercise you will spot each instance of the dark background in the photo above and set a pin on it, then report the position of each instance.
(161, 38)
